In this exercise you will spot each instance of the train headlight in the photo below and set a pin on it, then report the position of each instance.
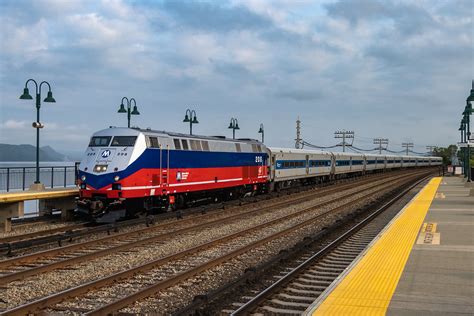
(100, 168)
(83, 178)
(116, 178)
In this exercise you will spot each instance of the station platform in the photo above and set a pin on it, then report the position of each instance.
(10, 197)
(12, 203)
(422, 263)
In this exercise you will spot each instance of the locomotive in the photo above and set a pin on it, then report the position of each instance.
(130, 171)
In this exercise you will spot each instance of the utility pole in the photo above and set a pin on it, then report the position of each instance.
(298, 133)
(380, 142)
(430, 149)
(407, 146)
(344, 135)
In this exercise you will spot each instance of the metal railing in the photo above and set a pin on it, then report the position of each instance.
(20, 178)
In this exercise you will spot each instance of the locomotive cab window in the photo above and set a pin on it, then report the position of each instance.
(99, 141)
(123, 141)
(237, 148)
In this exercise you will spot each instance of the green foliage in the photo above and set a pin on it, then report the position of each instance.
(447, 153)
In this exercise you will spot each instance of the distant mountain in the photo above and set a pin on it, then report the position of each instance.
(10, 152)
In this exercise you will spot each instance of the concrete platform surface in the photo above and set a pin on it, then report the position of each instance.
(438, 278)
(422, 263)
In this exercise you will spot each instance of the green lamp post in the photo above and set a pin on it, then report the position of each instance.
(26, 96)
(467, 131)
(462, 128)
(191, 118)
(234, 124)
(129, 110)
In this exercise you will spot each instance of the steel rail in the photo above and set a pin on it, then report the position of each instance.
(73, 292)
(153, 289)
(41, 232)
(7, 245)
(19, 275)
(285, 280)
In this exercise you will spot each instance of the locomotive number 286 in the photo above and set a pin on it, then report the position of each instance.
(258, 159)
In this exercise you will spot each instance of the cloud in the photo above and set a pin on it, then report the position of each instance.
(388, 68)
(213, 16)
(13, 124)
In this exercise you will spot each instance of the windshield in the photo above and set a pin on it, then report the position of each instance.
(120, 141)
(100, 141)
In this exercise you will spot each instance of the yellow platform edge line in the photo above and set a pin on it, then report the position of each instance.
(368, 288)
(33, 195)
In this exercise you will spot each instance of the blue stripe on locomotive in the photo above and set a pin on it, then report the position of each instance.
(150, 159)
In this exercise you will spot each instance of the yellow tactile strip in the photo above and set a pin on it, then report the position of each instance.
(368, 288)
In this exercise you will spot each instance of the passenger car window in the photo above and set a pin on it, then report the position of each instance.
(153, 142)
(184, 142)
(177, 144)
(205, 145)
(195, 144)
(100, 141)
(124, 141)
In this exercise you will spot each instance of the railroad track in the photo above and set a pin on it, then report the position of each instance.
(69, 233)
(313, 273)
(147, 279)
(41, 233)
(10, 244)
(18, 268)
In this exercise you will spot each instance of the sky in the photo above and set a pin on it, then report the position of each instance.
(394, 69)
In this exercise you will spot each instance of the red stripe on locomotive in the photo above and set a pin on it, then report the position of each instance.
(146, 182)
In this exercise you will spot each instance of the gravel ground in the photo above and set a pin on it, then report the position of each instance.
(22, 229)
(96, 236)
(203, 256)
(48, 283)
(173, 298)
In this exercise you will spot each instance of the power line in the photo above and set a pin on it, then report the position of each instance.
(344, 135)
(407, 146)
(298, 139)
(380, 142)
(430, 149)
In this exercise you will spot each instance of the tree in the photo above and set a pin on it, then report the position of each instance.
(448, 154)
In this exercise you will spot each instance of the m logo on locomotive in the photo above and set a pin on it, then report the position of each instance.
(105, 153)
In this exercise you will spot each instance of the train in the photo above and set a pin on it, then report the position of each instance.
(128, 172)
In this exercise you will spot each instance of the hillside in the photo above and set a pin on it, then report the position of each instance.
(10, 152)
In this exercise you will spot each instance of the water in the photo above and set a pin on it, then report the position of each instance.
(33, 163)
(21, 174)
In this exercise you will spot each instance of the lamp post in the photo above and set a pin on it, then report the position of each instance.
(462, 128)
(191, 118)
(234, 124)
(262, 131)
(467, 113)
(26, 96)
(129, 110)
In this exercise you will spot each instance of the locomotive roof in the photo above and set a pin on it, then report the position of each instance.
(123, 131)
